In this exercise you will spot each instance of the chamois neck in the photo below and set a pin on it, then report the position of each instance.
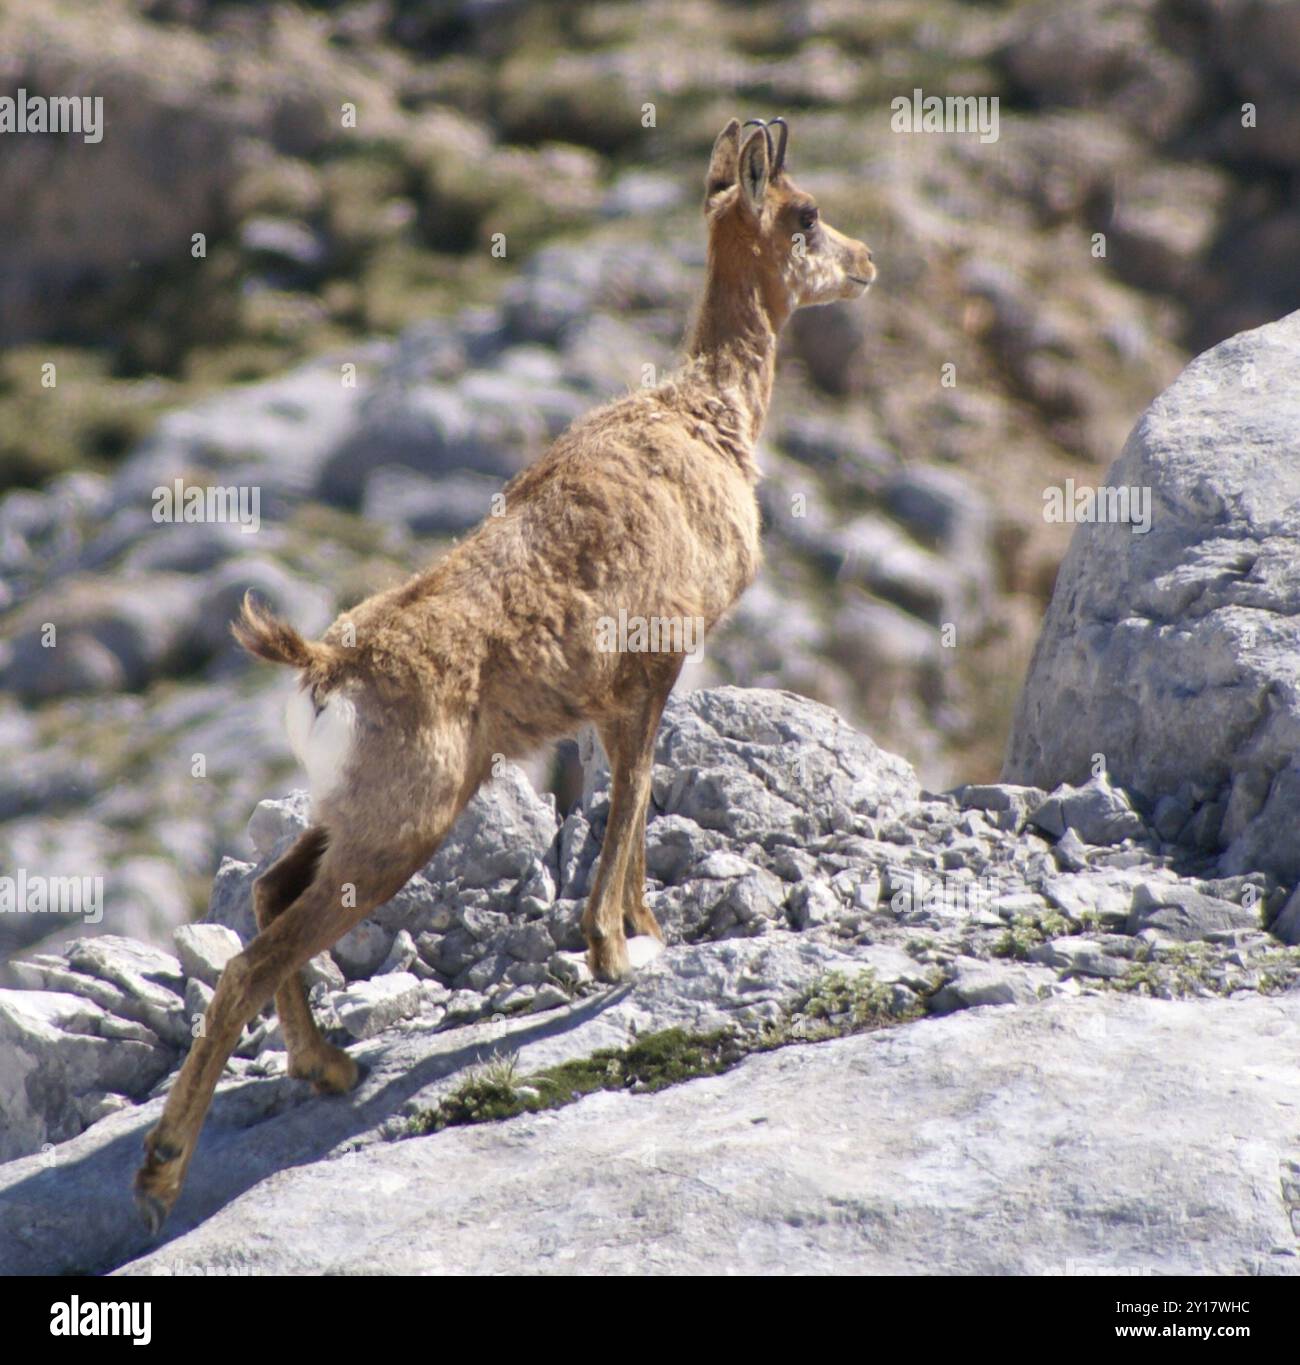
(732, 344)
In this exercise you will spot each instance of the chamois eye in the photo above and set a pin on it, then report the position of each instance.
(808, 219)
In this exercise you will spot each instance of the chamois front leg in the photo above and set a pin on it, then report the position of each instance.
(635, 911)
(602, 920)
(619, 892)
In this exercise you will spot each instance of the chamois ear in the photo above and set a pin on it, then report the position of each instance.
(722, 161)
(753, 170)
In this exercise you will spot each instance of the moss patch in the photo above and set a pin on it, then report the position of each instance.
(494, 1091)
(1028, 931)
(835, 1006)
(1195, 970)
(838, 1004)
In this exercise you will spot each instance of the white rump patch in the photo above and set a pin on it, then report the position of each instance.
(322, 740)
(642, 950)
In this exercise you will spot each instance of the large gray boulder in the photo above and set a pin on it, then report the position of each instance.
(1175, 654)
(766, 765)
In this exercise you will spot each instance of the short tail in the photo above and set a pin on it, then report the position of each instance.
(269, 638)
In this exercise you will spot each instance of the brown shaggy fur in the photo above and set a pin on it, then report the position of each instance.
(647, 505)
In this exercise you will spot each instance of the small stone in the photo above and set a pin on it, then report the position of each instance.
(812, 904)
(198, 996)
(99, 1104)
(57, 1046)
(401, 956)
(511, 999)
(1009, 803)
(531, 942)
(270, 1063)
(322, 970)
(434, 993)
(363, 950)
(1099, 813)
(487, 972)
(231, 899)
(985, 983)
(758, 895)
(1082, 896)
(721, 865)
(570, 967)
(549, 997)
(368, 1007)
(1081, 956)
(866, 895)
(204, 950)
(483, 924)
(1070, 852)
(462, 1005)
(527, 973)
(274, 822)
(150, 980)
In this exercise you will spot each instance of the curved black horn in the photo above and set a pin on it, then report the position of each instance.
(778, 162)
(767, 133)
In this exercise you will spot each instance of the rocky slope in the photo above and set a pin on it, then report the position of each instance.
(809, 890)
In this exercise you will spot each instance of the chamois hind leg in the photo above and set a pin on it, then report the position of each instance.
(318, 918)
(311, 1058)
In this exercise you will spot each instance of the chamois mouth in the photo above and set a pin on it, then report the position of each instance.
(858, 279)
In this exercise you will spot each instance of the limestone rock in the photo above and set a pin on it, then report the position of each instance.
(1172, 651)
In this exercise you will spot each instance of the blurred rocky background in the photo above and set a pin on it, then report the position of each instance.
(489, 215)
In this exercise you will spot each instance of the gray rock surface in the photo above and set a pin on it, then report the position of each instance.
(1050, 1129)
(60, 1054)
(369, 1007)
(1173, 654)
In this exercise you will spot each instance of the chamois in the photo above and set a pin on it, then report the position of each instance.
(647, 507)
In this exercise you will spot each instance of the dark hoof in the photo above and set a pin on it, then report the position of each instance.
(152, 1211)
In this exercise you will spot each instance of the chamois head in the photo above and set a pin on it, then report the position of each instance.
(761, 222)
